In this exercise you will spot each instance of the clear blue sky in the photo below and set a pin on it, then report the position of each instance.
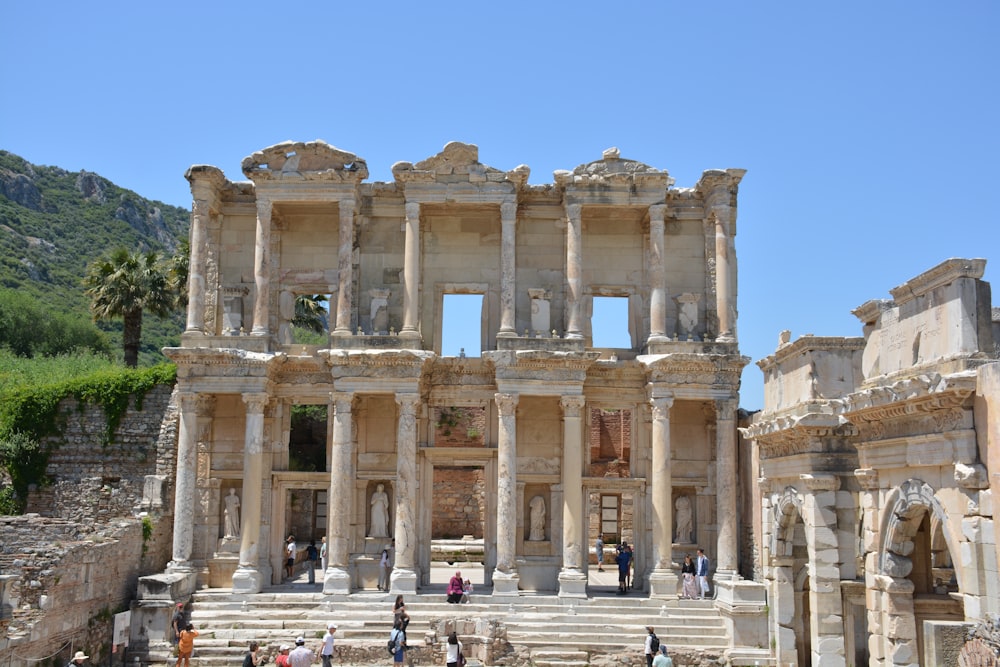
(868, 129)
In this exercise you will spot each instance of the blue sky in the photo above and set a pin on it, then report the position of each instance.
(869, 130)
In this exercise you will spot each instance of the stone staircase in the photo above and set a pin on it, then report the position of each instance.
(544, 628)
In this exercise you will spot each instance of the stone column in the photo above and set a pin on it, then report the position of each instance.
(657, 276)
(186, 480)
(345, 265)
(339, 507)
(723, 279)
(262, 269)
(663, 579)
(574, 272)
(247, 578)
(727, 554)
(505, 578)
(403, 579)
(411, 272)
(508, 269)
(197, 267)
(572, 580)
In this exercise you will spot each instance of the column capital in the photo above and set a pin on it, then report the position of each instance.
(661, 406)
(264, 207)
(412, 209)
(506, 403)
(657, 213)
(725, 409)
(408, 402)
(256, 402)
(188, 400)
(572, 406)
(574, 212)
(342, 400)
(205, 404)
(508, 212)
(346, 204)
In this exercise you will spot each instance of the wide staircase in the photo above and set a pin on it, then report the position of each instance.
(545, 629)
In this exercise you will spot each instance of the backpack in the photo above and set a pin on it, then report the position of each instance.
(654, 643)
(393, 644)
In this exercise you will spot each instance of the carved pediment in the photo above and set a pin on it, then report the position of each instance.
(612, 168)
(312, 160)
(457, 162)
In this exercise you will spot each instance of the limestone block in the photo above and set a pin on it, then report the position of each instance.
(826, 573)
(972, 476)
(896, 565)
(832, 627)
(870, 542)
(966, 554)
(986, 502)
(824, 538)
(784, 613)
(971, 528)
(875, 645)
(903, 653)
(901, 626)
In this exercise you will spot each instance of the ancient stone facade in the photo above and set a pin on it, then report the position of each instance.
(877, 462)
(387, 255)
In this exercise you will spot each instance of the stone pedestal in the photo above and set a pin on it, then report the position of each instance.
(572, 584)
(336, 581)
(742, 605)
(505, 585)
(247, 581)
(403, 582)
(663, 584)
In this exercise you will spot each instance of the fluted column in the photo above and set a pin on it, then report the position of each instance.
(572, 580)
(247, 578)
(197, 266)
(723, 280)
(505, 578)
(657, 276)
(663, 580)
(411, 272)
(340, 506)
(262, 268)
(508, 269)
(184, 488)
(404, 575)
(574, 271)
(345, 265)
(727, 556)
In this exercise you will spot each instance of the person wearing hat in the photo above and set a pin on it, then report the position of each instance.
(300, 656)
(281, 660)
(326, 651)
(662, 659)
(78, 659)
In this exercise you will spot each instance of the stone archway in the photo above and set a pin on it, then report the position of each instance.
(913, 527)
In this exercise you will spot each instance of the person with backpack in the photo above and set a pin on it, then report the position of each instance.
(397, 644)
(652, 646)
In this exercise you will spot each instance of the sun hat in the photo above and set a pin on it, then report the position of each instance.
(80, 655)
(284, 647)
(299, 641)
(331, 624)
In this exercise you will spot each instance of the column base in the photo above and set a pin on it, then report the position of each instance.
(246, 580)
(572, 584)
(336, 581)
(506, 333)
(725, 338)
(180, 566)
(505, 584)
(403, 582)
(663, 584)
(409, 334)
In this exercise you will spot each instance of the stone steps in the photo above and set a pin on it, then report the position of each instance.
(557, 632)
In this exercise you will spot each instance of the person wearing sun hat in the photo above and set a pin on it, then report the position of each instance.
(281, 660)
(326, 652)
(78, 659)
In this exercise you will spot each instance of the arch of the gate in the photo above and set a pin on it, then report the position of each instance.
(816, 507)
(904, 509)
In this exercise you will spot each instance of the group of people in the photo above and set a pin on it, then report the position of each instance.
(656, 653)
(459, 590)
(623, 559)
(301, 655)
(314, 556)
(694, 575)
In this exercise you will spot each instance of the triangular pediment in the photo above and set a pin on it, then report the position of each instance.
(308, 159)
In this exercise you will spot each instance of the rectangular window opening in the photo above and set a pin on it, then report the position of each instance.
(311, 322)
(462, 325)
(609, 322)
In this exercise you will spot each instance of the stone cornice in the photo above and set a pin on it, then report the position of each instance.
(907, 397)
(942, 274)
(223, 362)
(808, 343)
(708, 370)
(457, 164)
(311, 161)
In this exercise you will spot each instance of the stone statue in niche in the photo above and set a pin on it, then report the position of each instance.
(684, 520)
(380, 513)
(379, 310)
(537, 519)
(687, 316)
(232, 514)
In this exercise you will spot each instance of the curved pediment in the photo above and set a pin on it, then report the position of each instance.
(310, 160)
(457, 162)
(612, 162)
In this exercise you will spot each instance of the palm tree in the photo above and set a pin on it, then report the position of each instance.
(310, 313)
(123, 285)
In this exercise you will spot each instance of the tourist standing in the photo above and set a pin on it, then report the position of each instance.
(688, 588)
(622, 560)
(398, 637)
(399, 616)
(312, 555)
(453, 651)
(384, 570)
(455, 588)
(78, 659)
(185, 645)
(177, 623)
(281, 660)
(326, 652)
(661, 659)
(300, 656)
(290, 550)
(599, 552)
(701, 573)
(652, 645)
(322, 553)
(251, 659)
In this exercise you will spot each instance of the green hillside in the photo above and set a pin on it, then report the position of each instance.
(54, 222)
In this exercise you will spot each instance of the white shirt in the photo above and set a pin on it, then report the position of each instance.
(300, 657)
(290, 550)
(327, 644)
(452, 652)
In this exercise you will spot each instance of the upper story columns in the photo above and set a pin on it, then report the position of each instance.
(508, 268)
(411, 271)
(574, 271)
(345, 268)
(206, 183)
(262, 267)
(657, 275)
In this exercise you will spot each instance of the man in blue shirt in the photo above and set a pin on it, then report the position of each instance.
(622, 559)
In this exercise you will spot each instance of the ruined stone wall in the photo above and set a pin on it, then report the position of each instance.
(459, 503)
(120, 467)
(460, 426)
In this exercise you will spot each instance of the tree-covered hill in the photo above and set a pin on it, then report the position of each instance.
(53, 223)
